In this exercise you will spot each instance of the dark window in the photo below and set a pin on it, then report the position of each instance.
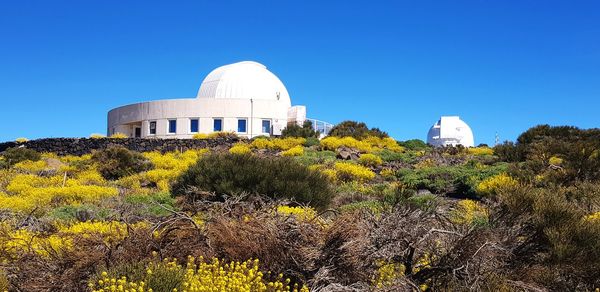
(266, 126)
(194, 125)
(218, 125)
(242, 126)
(138, 132)
(172, 126)
(153, 128)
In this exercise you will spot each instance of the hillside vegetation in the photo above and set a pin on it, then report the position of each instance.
(356, 211)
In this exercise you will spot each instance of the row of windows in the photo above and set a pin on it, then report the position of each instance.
(217, 126)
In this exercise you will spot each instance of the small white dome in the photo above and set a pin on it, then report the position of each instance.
(243, 80)
(450, 131)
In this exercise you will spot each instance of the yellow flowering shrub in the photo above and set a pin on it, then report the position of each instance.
(555, 160)
(369, 159)
(197, 275)
(262, 143)
(301, 213)
(21, 140)
(90, 177)
(378, 143)
(491, 185)
(469, 212)
(161, 177)
(478, 151)
(294, 151)
(118, 136)
(23, 241)
(30, 191)
(200, 136)
(97, 136)
(240, 149)
(387, 273)
(31, 166)
(110, 231)
(167, 167)
(330, 173)
(347, 171)
(388, 173)
(287, 143)
(593, 217)
(333, 143)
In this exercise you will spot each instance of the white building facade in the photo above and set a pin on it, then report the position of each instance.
(243, 97)
(450, 131)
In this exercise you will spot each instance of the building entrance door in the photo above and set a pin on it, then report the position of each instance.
(138, 132)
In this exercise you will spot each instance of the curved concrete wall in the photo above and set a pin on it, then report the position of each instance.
(127, 118)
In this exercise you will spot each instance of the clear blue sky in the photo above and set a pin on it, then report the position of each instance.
(503, 66)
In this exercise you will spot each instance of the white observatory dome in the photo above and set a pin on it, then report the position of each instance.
(450, 131)
(243, 80)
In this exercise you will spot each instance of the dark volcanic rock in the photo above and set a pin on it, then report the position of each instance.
(80, 146)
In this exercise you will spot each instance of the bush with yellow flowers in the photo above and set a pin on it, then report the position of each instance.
(26, 192)
(294, 151)
(282, 144)
(469, 212)
(378, 143)
(97, 136)
(31, 166)
(369, 159)
(118, 135)
(387, 273)
(196, 275)
(111, 232)
(167, 167)
(240, 149)
(333, 143)
(347, 171)
(479, 151)
(21, 241)
(556, 161)
(262, 143)
(492, 185)
(21, 140)
(301, 213)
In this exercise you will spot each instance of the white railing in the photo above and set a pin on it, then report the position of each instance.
(323, 127)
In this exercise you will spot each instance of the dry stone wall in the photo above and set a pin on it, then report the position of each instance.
(80, 146)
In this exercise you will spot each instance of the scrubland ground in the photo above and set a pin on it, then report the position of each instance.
(289, 214)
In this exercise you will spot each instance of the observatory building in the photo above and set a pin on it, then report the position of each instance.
(243, 97)
(450, 131)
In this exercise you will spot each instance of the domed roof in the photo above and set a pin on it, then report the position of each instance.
(450, 131)
(244, 80)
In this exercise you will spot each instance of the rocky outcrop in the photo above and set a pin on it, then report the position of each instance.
(80, 146)
(347, 153)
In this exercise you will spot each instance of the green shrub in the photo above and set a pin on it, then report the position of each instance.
(311, 157)
(280, 177)
(311, 141)
(115, 162)
(427, 202)
(12, 156)
(414, 144)
(462, 180)
(388, 155)
(304, 131)
(148, 204)
(356, 130)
